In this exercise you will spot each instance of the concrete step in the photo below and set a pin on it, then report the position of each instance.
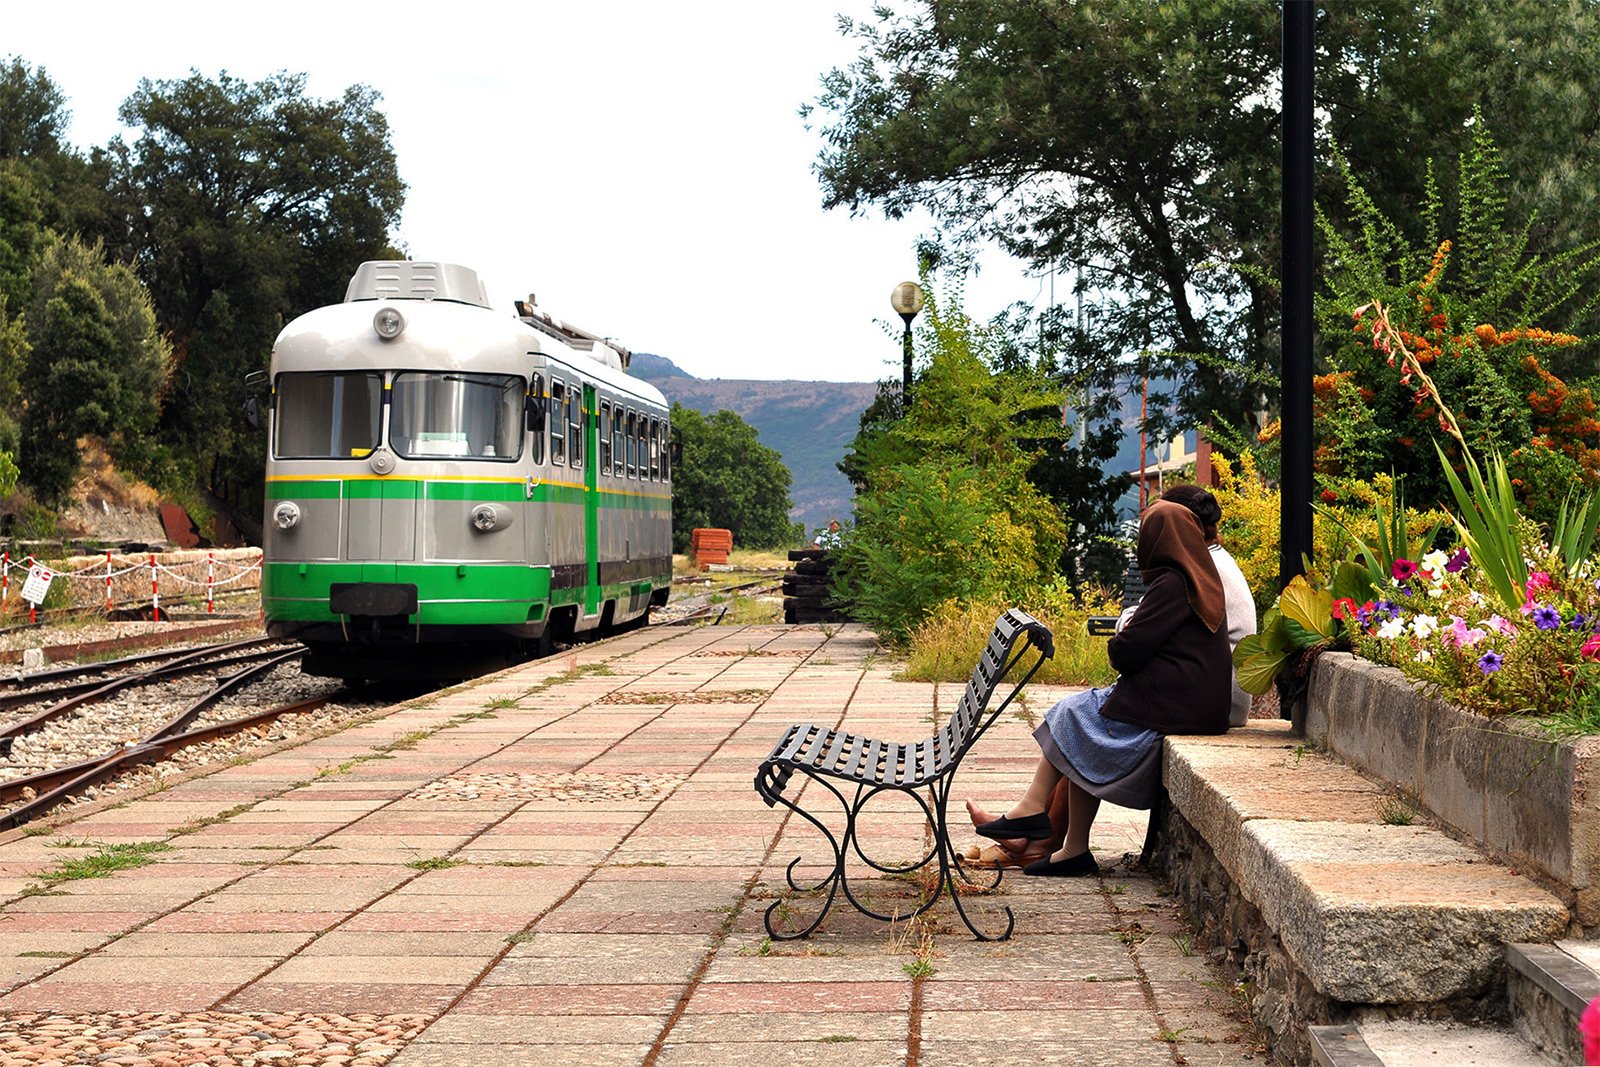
(1411, 1044)
(1549, 987)
(1371, 912)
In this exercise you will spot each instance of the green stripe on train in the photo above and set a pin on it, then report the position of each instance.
(503, 492)
(494, 593)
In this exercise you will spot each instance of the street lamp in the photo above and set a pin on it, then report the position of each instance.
(907, 299)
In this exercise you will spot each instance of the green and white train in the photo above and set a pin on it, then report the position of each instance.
(449, 487)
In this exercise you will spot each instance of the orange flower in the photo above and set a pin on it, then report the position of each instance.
(1487, 334)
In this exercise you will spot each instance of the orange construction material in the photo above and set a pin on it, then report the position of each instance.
(708, 546)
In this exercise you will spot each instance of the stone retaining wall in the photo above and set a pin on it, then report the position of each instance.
(1281, 999)
(1521, 795)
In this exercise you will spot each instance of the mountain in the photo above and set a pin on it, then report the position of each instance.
(810, 424)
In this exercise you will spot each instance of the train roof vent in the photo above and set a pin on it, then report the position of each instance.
(416, 280)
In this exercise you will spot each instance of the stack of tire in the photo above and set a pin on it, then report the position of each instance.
(805, 588)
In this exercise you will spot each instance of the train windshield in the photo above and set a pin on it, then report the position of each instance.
(327, 416)
(457, 416)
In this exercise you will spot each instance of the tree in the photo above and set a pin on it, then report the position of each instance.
(1138, 142)
(33, 111)
(728, 479)
(945, 504)
(96, 364)
(248, 203)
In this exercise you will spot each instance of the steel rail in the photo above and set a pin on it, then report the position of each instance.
(94, 692)
(64, 782)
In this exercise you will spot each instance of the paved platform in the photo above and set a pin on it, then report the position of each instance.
(566, 864)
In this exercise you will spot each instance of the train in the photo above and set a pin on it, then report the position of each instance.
(450, 488)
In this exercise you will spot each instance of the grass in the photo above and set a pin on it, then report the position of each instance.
(434, 863)
(522, 937)
(101, 863)
(499, 703)
(1397, 811)
(947, 646)
(211, 820)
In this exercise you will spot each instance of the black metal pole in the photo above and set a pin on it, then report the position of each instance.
(905, 351)
(1299, 40)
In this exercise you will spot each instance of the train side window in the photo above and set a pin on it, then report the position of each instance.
(605, 437)
(575, 426)
(655, 450)
(617, 447)
(666, 452)
(536, 398)
(633, 445)
(557, 420)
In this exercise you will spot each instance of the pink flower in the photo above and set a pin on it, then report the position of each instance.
(1537, 580)
(1589, 1027)
(1461, 636)
(1591, 647)
(1503, 626)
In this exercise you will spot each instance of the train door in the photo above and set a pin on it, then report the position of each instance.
(591, 504)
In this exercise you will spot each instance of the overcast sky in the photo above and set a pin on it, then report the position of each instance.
(639, 165)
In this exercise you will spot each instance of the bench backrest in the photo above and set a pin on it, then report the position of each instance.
(968, 719)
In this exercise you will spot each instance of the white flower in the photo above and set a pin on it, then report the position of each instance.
(1391, 629)
(1423, 655)
(1423, 626)
(1476, 597)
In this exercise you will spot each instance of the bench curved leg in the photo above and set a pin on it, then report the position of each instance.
(852, 840)
(832, 880)
(950, 868)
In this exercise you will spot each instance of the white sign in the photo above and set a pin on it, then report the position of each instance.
(37, 585)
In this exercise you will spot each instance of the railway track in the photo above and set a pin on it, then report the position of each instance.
(716, 611)
(71, 739)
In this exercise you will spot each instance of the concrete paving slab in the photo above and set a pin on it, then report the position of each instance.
(588, 873)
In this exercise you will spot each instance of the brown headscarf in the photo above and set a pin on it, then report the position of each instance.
(1170, 538)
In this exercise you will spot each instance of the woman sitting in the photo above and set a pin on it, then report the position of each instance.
(1175, 676)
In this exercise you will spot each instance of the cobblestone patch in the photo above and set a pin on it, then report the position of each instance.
(219, 1039)
(693, 696)
(582, 787)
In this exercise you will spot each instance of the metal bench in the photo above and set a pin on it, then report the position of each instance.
(825, 755)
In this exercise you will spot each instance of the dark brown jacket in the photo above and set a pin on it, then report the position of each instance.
(1174, 674)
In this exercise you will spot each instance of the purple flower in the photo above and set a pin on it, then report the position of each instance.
(1490, 661)
(1389, 608)
(1546, 618)
(1405, 590)
(1403, 569)
(1579, 621)
(1458, 561)
(1364, 616)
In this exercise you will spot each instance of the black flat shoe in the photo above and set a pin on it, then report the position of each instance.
(1029, 827)
(1071, 867)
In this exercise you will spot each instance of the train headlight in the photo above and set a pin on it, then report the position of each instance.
(286, 515)
(388, 323)
(487, 518)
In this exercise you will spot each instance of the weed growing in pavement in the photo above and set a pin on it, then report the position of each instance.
(501, 702)
(434, 863)
(1171, 1037)
(211, 820)
(1132, 934)
(1185, 944)
(761, 948)
(517, 863)
(102, 863)
(1397, 811)
(521, 937)
(37, 831)
(46, 955)
(407, 741)
(822, 661)
(833, 1039)
(1117, 890)
(67, 842)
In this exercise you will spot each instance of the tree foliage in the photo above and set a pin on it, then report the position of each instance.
(1138, 143)
(247, 203)
(944, 502)
(96, 364)
(727, 479)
